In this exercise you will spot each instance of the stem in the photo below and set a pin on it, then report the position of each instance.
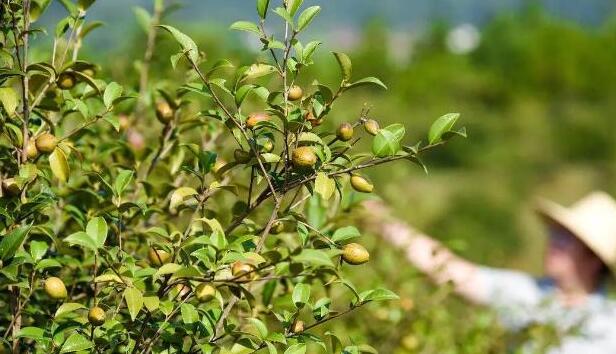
(147, 57)
(25, 82)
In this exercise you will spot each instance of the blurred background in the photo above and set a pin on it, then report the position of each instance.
(535, 82)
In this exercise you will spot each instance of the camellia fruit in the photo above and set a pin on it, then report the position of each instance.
(243, 271)
(182, 290)
(96, 316)
(242, 156)
(205, 292)
(158, 257)
(371, 126)
(277, 227)
(256, 117)
(354, 253)
(267, 145)
(10, 187)
(164, 112)
(31, 150)
(66, 80)
(361, 184)
(295, 93)
(55, 289)
(303, 157)
(345, 132)
(46, 143)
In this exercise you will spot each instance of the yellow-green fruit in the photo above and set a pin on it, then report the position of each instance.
(205, 292)
(267, 145)
(295, 93)
(277, 227)
(242, 156)
(355, 254)
(31, 150)
(298, 326)
(243, 271)
(164, 112)
(10, 187)
(345, 132)
(158, 257)
(182, 290)
(89, 72)
(303, 157)
(46, 143)
(66, 80)
(371, 126)
(361, 184)
(55, 289)
(256, 117)
(96, 316)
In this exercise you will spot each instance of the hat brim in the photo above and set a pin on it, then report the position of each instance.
(562, 216)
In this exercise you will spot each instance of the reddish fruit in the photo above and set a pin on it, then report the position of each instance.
(256, 117)
(303, 157)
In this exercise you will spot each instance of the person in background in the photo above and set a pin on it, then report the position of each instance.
(580, 257)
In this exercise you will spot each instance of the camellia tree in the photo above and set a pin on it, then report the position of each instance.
(215, 229)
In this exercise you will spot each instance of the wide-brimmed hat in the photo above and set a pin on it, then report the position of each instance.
(591, 219)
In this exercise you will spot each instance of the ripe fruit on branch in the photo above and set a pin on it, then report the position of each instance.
(256, 117)
(354, 253)
(55, 289)
(31, 150)
(371, 126)
(361, 184)
(164, 112)
(46, 143)
(11, 187)
(158, 257)
(295, 93)
(182, 290)
(345, 132)
(66, 80)
(96, 316)
(303, 157)
(205, 292)
(242, 156)
(243, 271)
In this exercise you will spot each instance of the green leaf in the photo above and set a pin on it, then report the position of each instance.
(151, 302)
(299, 348)
(301, 295)
(59, 164)
(32, 333)
(397, 130)
(122, 180)
(245, 26)
(168, 268)
(68, 307)
(112, 91)
(144, 19)
(307, 16)
(280, 11)
(345, 233)
(10, 242)
(180, 195)
(134, 301)
(315, 257)
(293, 6)
(76, 342)
(324, 185)
(47, 263)
(260, 326)
(97, 230)
(258, 70)
(189, 313)
(441, 126)
(262, 6)
(379, 294)
(9, 100)
(82, 239)
(38, 249)
(346, 67)
(187, 44)
(385, 144)
(366, 81)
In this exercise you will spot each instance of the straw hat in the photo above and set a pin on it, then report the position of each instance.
(592, 219)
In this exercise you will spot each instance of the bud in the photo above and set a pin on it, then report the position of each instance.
(355, 254)
(295, 93)
(371, 126)
(164, 112)
(361, 184)
(345, 132)
(46, 143)
(303, 157)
